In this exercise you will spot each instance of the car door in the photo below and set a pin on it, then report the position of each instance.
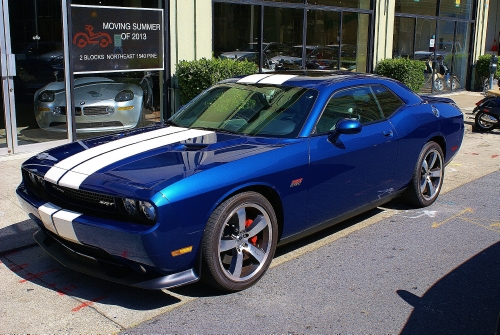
(353, 169)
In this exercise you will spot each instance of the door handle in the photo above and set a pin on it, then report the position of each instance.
(387, 133)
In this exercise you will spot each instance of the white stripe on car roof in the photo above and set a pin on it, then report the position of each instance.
(253, 78)
(277, 79)
(76, 176)
(58, 170)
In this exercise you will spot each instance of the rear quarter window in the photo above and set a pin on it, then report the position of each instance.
(389, 102)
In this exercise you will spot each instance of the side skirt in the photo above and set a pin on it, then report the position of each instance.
(340, 218)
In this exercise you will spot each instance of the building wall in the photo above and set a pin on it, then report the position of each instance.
(384, 27)
(190, 30)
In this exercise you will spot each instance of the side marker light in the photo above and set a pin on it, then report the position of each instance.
(182, 251)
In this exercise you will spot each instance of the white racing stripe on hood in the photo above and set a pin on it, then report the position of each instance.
(75, 177)
(58, 170)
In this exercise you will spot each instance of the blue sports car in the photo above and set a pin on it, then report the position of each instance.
(249, 164)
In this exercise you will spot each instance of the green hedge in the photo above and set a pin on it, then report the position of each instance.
(409, 72)
(196, 76)
(483, 67)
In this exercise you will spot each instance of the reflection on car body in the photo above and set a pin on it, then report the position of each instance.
(250, 163)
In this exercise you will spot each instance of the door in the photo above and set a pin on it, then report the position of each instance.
(355, 169)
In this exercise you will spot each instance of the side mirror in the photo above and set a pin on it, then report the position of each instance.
(345, 126)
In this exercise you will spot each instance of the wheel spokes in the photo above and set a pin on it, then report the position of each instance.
(257, 226)
(435, 173)
(255, 252)
(433, 158)
(226, 245)
(242, 217)
(236, 263)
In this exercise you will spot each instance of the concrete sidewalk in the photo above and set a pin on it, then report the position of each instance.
(16, 229)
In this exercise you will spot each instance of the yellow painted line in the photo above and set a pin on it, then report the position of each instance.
(438, 224)
(474, 221)
(495, 225)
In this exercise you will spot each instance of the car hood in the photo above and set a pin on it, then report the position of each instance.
(143, 160)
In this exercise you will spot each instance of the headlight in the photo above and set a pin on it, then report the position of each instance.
(130, 206)
(125, 95)
(46, 96)
(148, 210)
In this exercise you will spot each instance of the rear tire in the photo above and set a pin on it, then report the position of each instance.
(239, 242)
(427, 178)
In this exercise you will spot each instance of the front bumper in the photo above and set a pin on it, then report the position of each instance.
(64, 235)
(108, 270)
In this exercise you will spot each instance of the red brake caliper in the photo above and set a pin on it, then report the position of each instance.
(252, 240)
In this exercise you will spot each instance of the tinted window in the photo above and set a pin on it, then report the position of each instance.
(353, 103)
(388, 101)
(255, 110)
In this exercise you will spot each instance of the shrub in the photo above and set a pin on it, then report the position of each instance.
(409, 72)
(483, 67)
(196, 76)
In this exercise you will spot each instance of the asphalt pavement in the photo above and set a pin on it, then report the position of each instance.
(428, 271)
(394, 269)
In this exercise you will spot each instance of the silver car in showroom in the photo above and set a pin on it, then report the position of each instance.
(101, 104)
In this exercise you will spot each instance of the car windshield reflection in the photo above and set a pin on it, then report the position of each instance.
(275, 111)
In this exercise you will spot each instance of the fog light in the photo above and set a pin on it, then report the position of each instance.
(130, 206)
(148, 210)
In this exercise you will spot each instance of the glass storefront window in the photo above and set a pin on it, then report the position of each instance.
(455, 8)
(236, 31)
(283, 36)
(362, 4)
(36, 41)
(354, 48)
(325, 46)
(460, 57)
(323, 37)
(419, 7)
(403, 37)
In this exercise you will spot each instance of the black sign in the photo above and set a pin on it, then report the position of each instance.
(116, 39)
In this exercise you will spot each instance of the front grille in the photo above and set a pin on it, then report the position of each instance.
(87, 125)
(78, 110)
(83, 198)
(98, 110)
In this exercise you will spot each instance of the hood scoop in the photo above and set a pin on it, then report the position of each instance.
(191, 147)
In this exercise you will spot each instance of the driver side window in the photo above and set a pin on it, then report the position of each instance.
(352, 103)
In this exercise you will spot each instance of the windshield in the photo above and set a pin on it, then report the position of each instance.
(257, 110)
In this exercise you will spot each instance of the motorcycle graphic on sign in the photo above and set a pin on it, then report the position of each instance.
(81, 39)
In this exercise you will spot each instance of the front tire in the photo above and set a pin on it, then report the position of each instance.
(485, 122)
(239, 242)
(427, 177)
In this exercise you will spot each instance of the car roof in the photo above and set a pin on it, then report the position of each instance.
(303, 78)
(326, 81)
